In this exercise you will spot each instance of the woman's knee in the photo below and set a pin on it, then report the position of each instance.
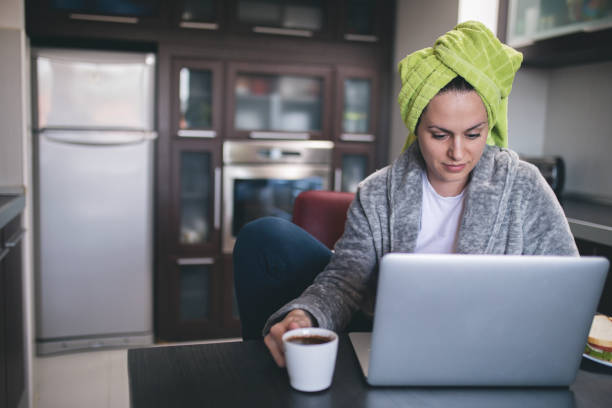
(261, 233)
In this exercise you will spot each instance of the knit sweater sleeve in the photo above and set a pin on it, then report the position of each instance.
(339, 290)
(545, 228)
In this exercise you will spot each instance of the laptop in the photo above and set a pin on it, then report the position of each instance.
(480, 320)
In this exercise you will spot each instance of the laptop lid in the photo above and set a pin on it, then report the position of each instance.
(481, 320)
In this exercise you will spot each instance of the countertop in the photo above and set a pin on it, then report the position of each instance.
(589, 219)
(12, 203)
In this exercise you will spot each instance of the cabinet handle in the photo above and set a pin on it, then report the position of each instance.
(282, 31)
(197, 133)
(357, 137)
(279, 135)
(200, 26)
(15, 238)
(106, 19)
(337, 179)
(195, 261)
(360, 37)
(217, 203)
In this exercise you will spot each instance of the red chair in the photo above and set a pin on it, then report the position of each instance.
(322, 214)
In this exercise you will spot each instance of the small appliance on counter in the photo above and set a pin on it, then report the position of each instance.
(553, 170)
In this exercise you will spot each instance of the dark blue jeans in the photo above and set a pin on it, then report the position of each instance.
(274, 261)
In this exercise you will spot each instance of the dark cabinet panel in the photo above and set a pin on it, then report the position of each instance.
(353, 162)
(292, 18)
(278, 101)
(199, 14)
(356, 102)
(197, 87)
(195, 214)
(360, 20)
(12, 346)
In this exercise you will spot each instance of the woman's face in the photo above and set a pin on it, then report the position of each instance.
(452, 134)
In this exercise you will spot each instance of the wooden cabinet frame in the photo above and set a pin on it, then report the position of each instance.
(216, 69)
(365, 149)
(343, 73)
(324, 73)
(212, 147)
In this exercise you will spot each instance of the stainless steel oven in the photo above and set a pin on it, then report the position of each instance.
(262, 178)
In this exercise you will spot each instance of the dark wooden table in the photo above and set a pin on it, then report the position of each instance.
(242, 374)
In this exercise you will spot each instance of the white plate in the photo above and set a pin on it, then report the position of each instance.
(606, 363)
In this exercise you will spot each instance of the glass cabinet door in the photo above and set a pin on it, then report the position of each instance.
(197, 97)
(352, 164)
(271, 104)
(199, 14)
(531, 20)
(193, 288)
(360, 20)
(302, 18)
(196, 212)
(356, 92)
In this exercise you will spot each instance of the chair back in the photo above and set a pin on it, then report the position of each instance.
(322, 214)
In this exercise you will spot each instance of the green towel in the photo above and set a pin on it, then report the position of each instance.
(473, 52)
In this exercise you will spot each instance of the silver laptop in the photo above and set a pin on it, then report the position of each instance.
(480, 320)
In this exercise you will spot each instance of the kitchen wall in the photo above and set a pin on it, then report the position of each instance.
(15, 150)
(12, 40)
(579, 126)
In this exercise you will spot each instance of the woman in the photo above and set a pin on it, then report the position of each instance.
(456, 188)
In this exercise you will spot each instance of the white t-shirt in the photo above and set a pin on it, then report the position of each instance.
(439, 221)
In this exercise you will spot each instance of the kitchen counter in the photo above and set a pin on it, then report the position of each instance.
(589, 219)
(12, 202)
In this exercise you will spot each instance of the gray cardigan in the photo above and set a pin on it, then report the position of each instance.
(509, 209)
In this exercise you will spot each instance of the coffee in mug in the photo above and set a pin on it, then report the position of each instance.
(310, 354)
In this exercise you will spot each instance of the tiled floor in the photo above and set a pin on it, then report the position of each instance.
(93, 379)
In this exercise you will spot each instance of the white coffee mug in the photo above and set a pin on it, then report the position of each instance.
(310, 362)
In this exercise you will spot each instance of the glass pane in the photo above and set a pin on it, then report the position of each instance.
(198, 10)
(539, 19)
(195, 98)
(195, 197)
(356, 116)
(255, 198)
(139, 8)
(295, 14)
(278, 103)
(194, 298)
(360, 17)
(354, 168)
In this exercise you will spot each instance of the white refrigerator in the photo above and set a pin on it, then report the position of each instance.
(94, 140)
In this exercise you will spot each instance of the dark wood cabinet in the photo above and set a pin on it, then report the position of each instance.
(356, 103)
(196, 103)
(352, 162)
(360, 20)
(278, 101)
(205, 15)
(593, 248)
(12, 345)
(288, 18)
(112, 13)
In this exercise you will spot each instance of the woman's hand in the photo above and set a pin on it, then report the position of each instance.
(274, 339)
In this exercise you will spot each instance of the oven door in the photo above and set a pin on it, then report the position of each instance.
(254, 191)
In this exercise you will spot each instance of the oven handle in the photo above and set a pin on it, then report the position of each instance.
(217, 203)
(337, 179)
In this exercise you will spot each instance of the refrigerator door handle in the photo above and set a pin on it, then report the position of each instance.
(98, 137)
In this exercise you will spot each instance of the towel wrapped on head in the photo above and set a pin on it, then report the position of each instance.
(473, 52)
